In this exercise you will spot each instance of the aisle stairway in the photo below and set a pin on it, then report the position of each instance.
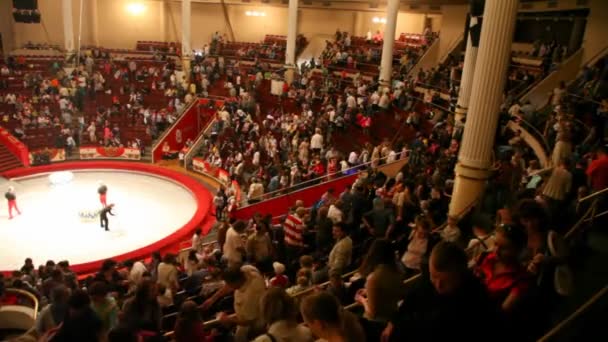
(8, 161)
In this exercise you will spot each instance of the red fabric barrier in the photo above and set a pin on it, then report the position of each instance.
(15, 146)
(280, 205)
(202, 217)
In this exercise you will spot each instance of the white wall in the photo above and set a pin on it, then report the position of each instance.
(596, 36)
(452, 26)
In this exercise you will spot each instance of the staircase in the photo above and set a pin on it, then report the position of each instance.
(8, 161)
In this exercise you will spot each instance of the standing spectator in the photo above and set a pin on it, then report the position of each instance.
(104, 306)
(259, 248)
(247, 284)
(167, 273)
(189, 325)
(597, 172)
(279, 314)
(80, 323)
(234, 249)
(142, 312)
(53, 314)
(340, 256)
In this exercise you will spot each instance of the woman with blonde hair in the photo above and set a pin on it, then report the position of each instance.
(279, 312)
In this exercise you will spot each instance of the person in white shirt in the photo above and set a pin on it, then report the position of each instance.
(316, 141)
(484, 241)
(340, 256)
(384, 101)
(248, 285)
(451, 232)
(197, 240)
(334, 213)
(351, 102)
(353, 158)
(256, 191)
(136, 272)
(234, 247)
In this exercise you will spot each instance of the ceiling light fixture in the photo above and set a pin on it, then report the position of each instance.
(379, 20)
(255, 14)
(136, 8)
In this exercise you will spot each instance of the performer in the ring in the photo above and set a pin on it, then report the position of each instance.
(12, 202)
(103, 216)
(102, 191)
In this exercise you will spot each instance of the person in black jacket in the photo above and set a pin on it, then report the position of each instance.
(450, 303)
(103, 216)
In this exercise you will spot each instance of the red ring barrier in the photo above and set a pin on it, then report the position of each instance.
(202, 217)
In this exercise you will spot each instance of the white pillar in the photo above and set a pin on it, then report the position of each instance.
(475, 156)
(95, 23)
(292, 33)
(68, 26)
(466, 81)
(186, 47)
(386, 65)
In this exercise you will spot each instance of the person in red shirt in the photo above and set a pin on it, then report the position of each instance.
(279, 279)
(597, 172)
(11, 197)
(504, 276)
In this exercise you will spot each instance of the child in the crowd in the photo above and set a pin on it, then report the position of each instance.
(306, 265)
(279, 279)
(302, 283)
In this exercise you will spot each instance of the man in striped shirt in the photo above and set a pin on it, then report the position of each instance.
(293, 228)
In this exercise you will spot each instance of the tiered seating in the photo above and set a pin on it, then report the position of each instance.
(8, 161)
(168, 47)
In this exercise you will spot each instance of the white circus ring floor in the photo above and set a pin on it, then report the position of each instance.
(148, 208)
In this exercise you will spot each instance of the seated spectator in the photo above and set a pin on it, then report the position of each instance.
(279, 313)
(327, 320)
(432, 309)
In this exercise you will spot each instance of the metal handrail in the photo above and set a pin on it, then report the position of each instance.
(298, 186)
(538, 133)
(416, 276)
(451, 48)
(593, 195)
(166, 132)
(575, 315)
(29, 296)
(202, 135)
